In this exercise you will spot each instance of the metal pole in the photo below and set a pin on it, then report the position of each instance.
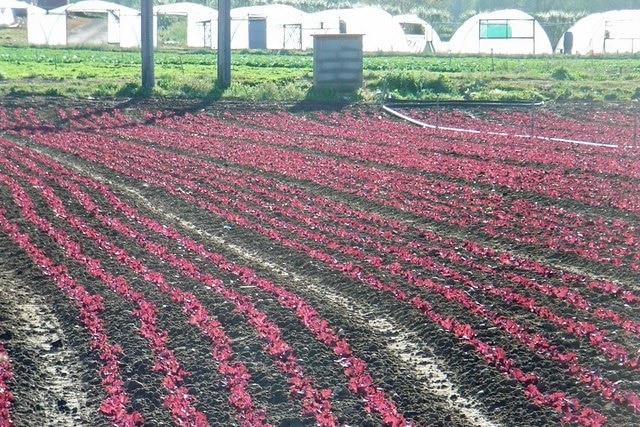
(224, 43)
(533, 21)
(146, 42)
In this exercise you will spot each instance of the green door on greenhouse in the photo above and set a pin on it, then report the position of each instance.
(495, 30)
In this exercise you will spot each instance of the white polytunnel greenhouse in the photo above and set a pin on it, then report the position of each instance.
(201, 22)
(615, 31)
(274, 26)
(86, 22)
(506, 31)
(420, 36)
(7, 18)
(380, 33)
(13, 13)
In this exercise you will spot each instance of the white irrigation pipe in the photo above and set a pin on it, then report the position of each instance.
(545, 138)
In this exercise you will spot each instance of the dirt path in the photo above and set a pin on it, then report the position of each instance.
(51, 386)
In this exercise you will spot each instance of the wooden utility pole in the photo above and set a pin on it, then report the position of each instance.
(224, 43)
(146, 41)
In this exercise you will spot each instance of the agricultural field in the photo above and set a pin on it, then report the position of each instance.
(92, 72)
(248, 264)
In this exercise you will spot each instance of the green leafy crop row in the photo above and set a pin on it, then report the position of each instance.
(280, 75)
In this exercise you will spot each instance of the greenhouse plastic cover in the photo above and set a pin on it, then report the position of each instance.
(198, 17)
(380, 32)
(507, 31)
(419, 43)
(123, 23)
(276, 17)
(7, 17)
(15, 4)
(622, 26)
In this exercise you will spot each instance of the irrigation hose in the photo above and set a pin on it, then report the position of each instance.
(398, 114)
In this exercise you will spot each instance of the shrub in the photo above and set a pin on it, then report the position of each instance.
(441, 84)
(561, 74)
(132, 90)
(53, 91)
(405, 84)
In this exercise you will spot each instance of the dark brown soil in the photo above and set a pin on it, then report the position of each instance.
(432, 377)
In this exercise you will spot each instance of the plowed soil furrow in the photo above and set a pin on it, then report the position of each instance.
(176, 328)
(119, 321)
(89, 308)
(317, 293)
(128, 245)
(366, 147)
(497, 225)
(253, 350)
(341, 233)
(439, 142)
(48, 352)
(314, 268)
